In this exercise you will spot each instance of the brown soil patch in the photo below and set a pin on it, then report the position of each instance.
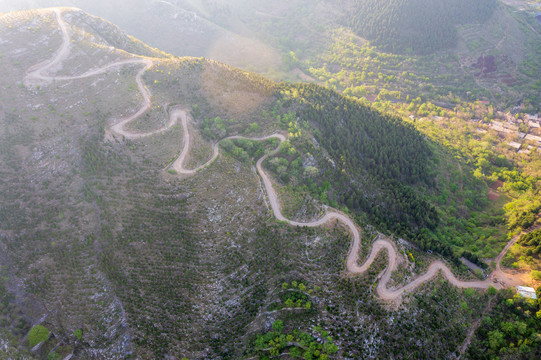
(487, 65)
(496, 185)
(492, 195)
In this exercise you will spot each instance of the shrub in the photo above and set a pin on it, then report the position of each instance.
(278, 325)
(37, 334)
(54, 356)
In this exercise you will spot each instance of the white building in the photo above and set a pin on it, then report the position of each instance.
(533, 138)
(527, 292)
(514, 145)
(534, 117)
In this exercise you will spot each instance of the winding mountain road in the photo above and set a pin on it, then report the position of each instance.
(498, 278)
(39, 72)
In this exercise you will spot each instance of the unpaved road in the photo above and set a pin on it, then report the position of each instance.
(497, 279)
(39, 73)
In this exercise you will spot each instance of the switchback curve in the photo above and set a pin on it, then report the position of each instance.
(497, 279)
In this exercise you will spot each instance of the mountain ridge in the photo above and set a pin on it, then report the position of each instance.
(107, 239)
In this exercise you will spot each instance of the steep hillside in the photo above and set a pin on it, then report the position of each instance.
(416, 26)
(432, 50)
(140, 218)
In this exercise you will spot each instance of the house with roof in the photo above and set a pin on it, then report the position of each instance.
(527, 292)
(514, 145)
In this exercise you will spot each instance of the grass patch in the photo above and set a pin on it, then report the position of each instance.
(53, 355)
(37, 334)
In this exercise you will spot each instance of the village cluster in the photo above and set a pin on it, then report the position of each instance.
(523, 132)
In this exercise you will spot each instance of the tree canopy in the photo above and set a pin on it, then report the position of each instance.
(416, 26)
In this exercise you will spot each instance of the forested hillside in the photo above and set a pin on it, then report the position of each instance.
(510, 330)
(350, 156)
(416, 26)
(376, 159)
(533, 241)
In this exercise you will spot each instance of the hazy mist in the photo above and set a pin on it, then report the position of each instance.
(182, 28)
